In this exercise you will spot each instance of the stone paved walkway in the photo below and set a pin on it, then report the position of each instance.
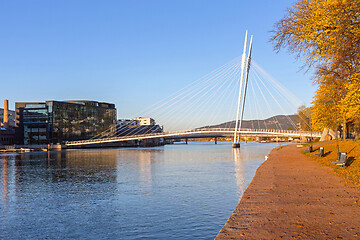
(293, 197)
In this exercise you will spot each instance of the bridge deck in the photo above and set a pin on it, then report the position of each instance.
(202, 132)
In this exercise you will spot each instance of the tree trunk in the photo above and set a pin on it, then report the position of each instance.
(344, 131)
(356, 130)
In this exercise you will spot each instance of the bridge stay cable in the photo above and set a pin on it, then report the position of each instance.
(190, 88)
(177, 102)
(259, 113)
(287, 97)
(266, 102)
(218, 75)
(276, 101)
(194, 105)
(211, 101)
(226, 96)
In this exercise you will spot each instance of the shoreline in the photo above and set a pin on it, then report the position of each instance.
(292, 196)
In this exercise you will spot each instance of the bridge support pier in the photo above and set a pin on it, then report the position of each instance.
(236, 145)
(215, 140)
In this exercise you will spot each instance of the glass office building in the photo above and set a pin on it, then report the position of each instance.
(56, 122)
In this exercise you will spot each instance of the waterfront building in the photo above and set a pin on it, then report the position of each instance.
(7, 132)
(137, 130)
(132, 129)
(11, 118)
(59, 121)
(145, 121)
(7, 136)
(127, 122)
(7, 117)
(138, 126)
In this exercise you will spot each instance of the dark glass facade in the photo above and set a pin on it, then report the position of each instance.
(56, 122)
(36, 119)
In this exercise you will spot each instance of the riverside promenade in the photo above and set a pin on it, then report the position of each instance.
(294, 197)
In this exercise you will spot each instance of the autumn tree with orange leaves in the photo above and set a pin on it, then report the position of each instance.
(325, 34)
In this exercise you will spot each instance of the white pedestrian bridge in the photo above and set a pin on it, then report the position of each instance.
(199, 133)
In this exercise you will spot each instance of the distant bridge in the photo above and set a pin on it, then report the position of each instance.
(198, 133)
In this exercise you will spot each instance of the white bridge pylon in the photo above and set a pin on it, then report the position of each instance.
(245, 67)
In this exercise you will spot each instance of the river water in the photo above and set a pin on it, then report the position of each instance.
(172, 192)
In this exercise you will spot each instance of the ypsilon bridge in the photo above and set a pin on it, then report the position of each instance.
(202, 133)
(214, 85)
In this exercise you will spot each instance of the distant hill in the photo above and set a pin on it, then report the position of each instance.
(276, 122)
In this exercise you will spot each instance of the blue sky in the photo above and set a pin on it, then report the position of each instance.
(133, 52)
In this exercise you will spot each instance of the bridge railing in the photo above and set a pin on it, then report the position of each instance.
(197, 130)
(256, 130)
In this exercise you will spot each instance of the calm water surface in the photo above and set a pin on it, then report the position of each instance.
(172, 192)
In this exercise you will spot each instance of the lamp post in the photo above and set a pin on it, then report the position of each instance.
(336, 135)
(311, 142)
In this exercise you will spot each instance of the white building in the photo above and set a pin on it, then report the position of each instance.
(145, 121)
